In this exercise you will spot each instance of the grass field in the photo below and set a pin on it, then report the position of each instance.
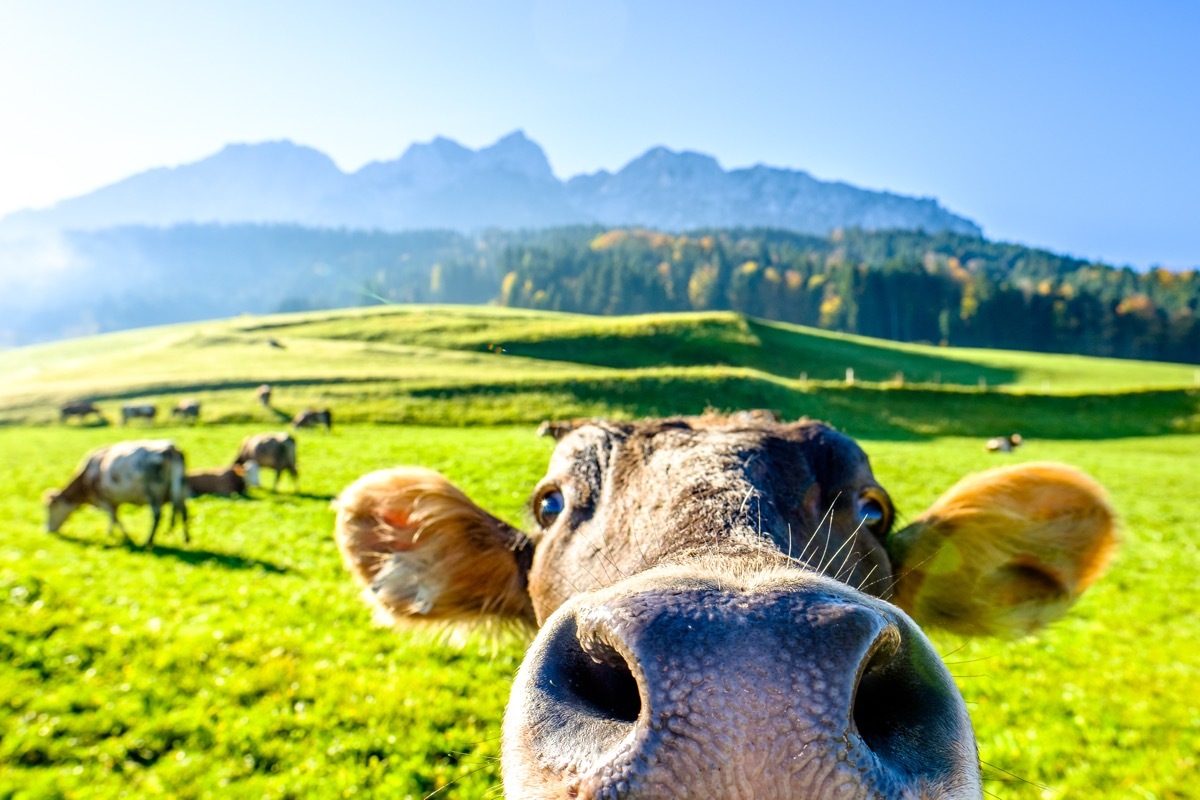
(244, 665)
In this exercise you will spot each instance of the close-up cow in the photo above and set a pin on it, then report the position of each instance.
(722, 609)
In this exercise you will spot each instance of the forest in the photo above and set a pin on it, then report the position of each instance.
(945, 288)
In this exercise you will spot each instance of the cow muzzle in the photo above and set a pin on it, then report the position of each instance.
(673, 685)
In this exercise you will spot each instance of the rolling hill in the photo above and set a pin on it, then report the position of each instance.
(482, 365)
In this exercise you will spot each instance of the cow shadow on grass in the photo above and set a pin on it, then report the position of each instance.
(198, 558)
(192, 557)
(284, 496)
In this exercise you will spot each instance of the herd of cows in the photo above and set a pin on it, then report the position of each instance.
(719, 604)
(187, 410)
(153, 472)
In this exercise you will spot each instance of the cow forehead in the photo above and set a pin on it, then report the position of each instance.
(707, 446)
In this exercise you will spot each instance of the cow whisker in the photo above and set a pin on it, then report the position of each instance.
(826, 564)
(843, 569)
(1012, 777)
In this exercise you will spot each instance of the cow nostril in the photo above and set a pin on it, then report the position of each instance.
(901, 701)
(600, 678)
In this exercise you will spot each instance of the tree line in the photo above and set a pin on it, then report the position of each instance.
(944, 288)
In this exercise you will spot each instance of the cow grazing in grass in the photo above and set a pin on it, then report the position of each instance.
(311, 418)
(1003, 444)
(227, 482)
(81, 410)
(144, 411)
(275, 451)
(187, 409)
(722, 609)
(263, 395)
(144, 473)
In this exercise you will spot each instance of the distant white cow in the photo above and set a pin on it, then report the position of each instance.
(140, 473)
(1003, 444)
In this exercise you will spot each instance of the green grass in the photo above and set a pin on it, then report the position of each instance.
(244, 664)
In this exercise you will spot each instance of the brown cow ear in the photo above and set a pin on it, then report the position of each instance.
(1004, 552)
(560, 428)
(424, 552)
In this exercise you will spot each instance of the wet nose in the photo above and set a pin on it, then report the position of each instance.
(703, 692)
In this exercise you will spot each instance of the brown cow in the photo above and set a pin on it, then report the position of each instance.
(263, 393)
(82, 410)
(310, 418)
(226, 482)
(711, 602)
(139, 473)
(1003, 444)
(275, 451)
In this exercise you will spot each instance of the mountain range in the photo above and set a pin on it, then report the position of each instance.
(510, 185)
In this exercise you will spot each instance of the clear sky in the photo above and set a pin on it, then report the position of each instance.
(1069, 125)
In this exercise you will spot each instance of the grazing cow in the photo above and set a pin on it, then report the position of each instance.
(141, 411)
(711, 599)
(275, 451)
(149, 472)
(82, 410)
(1003, 444)
(225, 482)
(187, 409)
(263, 393)
(310, 418)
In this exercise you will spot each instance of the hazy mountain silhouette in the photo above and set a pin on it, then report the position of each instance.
(443, 185)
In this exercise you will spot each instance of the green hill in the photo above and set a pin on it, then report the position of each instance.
(470, 364)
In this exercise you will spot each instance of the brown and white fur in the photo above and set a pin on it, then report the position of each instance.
(722, 610)
(147, 472)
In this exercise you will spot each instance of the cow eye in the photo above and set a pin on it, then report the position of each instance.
(549, 505)
(875, 513)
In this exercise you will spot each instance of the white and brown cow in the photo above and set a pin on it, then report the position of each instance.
(1003, 444)
(187, 409)
(275, 451)
(144, 411)
(722, 609)
(149, 472)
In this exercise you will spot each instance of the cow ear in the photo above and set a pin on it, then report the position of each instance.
(557, 429)
(1004, 552)
(424, 552)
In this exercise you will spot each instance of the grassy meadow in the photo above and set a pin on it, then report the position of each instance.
(244, 665)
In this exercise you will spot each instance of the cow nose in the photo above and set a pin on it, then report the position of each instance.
(704, 692)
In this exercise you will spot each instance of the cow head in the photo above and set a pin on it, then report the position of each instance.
(58, 508)
(722, 609)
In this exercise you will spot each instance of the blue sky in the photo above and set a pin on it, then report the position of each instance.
(1074, 126)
